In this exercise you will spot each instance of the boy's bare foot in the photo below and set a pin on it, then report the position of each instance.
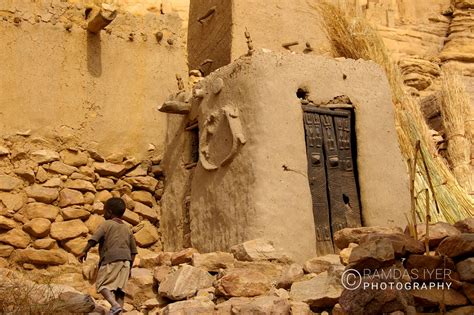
(115, 310)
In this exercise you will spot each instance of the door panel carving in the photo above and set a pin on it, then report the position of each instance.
(331, 173)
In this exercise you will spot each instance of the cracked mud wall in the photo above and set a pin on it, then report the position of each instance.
(58, 81)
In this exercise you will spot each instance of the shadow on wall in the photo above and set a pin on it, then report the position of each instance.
(94, 54)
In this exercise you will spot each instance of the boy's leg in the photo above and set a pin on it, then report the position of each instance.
(109, 296)
(119, 296)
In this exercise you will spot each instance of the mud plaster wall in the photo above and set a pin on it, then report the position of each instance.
(100, 90)
(176, 185)
(270, 24)
(253, 196)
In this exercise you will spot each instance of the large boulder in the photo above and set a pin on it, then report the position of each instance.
(367, 297)
(42, 194)
(322, 291)
(372, 255)
(258, 249)
(290, 274)
(402, 243)
(437, 232)
(271, 270)
(66, 230)
(466, 225)
(213, 261)
(184, 283)
(41, 210)
(344, 237)
(184, 256)
(146, 234)
(8, 183)
(140, 285)
(41, 257)
(161, 272)
(465, 269)
(38, 227)
(429, 268)
(459, 245)
(241, 282)
(16, 238)
(322, 263)
(433, 297)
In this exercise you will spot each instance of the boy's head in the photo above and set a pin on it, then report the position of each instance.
(114, 208)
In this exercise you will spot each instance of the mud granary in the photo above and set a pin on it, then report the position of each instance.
(291, 148)
(288, 147)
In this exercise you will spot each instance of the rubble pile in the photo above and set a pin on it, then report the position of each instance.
(395, 276)
(390, 273)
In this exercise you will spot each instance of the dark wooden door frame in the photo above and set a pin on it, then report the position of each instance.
(332, 174)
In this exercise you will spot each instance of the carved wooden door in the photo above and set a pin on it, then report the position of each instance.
(331, 173)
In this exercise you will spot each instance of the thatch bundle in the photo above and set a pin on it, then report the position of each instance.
(455, 109)
(352, 37)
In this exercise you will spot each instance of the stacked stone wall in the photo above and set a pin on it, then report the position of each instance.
(52, 199)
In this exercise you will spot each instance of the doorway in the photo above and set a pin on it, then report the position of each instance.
(332, 172)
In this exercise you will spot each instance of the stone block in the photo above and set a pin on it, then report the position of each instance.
(213, 261)
(16, 238)
(66, 230)
(239, 282)
(38, 227)
(322, 291)
(184, 283)
(42, 194)
(41, 210)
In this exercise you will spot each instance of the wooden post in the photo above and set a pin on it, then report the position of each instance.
(99, 18)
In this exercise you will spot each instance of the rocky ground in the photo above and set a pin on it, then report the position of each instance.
(256, 278)
(52, 200)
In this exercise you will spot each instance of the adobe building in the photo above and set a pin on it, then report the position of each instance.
(288, 147)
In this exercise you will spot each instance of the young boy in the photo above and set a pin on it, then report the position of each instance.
(117, 250)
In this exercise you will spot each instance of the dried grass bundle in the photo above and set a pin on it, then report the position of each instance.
(455, 109)
(353, 37)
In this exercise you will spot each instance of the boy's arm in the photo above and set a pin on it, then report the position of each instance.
(90, 243)
(95, 238)
(133, 250)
